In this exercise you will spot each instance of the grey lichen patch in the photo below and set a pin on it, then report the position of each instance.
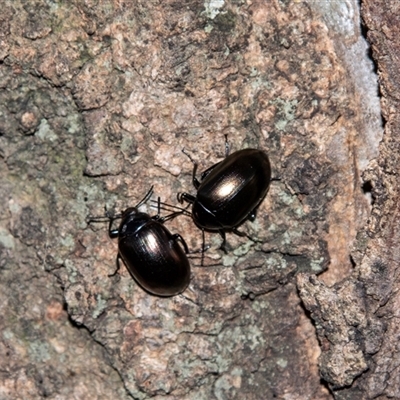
(243, 249)
(39, 351)
(318, 265)
(282, 363)
(101, 305)
(286, 112)
(6, 239)
(72, 270)
(68, 242)
(213, 7)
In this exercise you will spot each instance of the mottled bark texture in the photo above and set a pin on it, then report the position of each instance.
(357, 319)
(97, 100)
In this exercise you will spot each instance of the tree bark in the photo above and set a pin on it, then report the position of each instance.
(97, 101)
(360, 330)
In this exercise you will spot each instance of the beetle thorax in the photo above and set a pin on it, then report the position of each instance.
(132, 221)
(204, 218)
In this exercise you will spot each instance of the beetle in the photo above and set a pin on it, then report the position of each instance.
(153, 256)
(230, 191)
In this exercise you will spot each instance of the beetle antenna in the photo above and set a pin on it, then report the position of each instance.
(91, 218)
(158, 205)
(103, 218)
(170, 216)
(170, 207)
(145, 198)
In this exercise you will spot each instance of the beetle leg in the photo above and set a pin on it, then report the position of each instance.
(118, 266)
(202, 247)
(208, 170)
(227, 149)
(223, 244)
(236, 232)
(113, 233)
(176, 237)
(195, 181)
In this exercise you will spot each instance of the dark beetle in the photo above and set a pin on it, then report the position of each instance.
(229, 192)
(151, 253)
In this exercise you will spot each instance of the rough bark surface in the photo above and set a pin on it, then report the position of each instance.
(357, 319)
(97, 100)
